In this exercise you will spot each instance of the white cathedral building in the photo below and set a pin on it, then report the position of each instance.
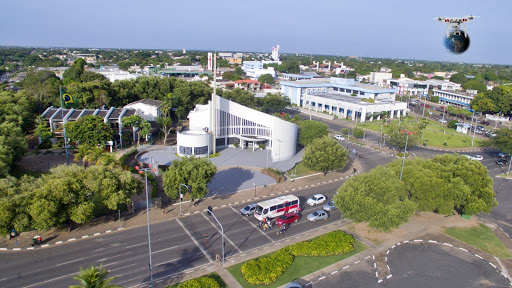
(234, 123)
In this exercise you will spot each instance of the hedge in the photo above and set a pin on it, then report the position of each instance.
(263, 271)
(200, 282)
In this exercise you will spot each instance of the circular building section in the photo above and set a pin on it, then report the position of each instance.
(193, 143)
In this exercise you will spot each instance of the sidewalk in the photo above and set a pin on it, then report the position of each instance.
(111, 224)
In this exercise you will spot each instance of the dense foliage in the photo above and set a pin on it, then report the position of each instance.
(441, 185)
(503, 140)
(63, 195)
(200, 282)
(358, 132)
(265, 270)
(90, 130)
(311, 130)
(196, 173)
(325, 154)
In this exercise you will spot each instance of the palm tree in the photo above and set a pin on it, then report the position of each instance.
(81, 154)
(94, 277)
(107, 159)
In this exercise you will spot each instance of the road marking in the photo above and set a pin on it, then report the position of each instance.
(164, 249)
(135, 245)
(110, 257)
(69, 262)
(3, 279)
(255, 227)
(220, 231)
(112, 270)
(195, 241)
(109, 264)
(49, 280)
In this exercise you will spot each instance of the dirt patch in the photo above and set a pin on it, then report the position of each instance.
(418, 225)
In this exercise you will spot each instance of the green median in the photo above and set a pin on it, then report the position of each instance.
(481, 237)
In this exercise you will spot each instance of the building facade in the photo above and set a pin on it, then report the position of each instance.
(235, 123)
(457, 99)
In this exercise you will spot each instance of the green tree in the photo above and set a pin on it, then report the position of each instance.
(138, 123)
(193, 172)
(94, 277)
(310, 130)
(434, 99)
(325, 154)
(358, 132)
(475, 85)
(74, 72)
(44, 132)
(12, 146)
(483, 103)
(273, 102)
(266, 78)
(377, 197)
(165, 124)
(503, 140)
(459, 78)
(90, 130)
(15, 198)
(396, 135)
(452, 124)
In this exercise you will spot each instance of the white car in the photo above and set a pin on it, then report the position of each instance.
(316, 199)
(339, 137)
(442, 121)
(476, 157)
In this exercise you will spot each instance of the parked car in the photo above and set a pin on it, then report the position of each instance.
(442, 121)
(480, 127)
(339, 137)
(329, 206)
(502, 161)
(485, 123)
(502, 155)
(248, 210)
(318, 215)
(316, 199)
(287, 219)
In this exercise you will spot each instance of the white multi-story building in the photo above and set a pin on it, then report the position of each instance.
(343, 98)
(457, 99)
(254, 69)
(379, 77)
(148, 109)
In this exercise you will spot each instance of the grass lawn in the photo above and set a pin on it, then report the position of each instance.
(436, 134)
(480, 237)
(301, 266)
(299, 170)
(213, 275)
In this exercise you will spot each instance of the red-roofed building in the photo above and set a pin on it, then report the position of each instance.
(250, 85)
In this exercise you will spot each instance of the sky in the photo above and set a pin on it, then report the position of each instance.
(401, 29)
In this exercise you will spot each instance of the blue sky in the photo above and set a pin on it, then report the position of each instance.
(388, 29)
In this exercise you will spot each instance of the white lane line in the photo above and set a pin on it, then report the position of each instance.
(112, 270)
(3, 279)
(255, 227)
(164, 250)
(143, 243)
(225, 236)
(49, 280)
(110, 257)
(109, 264)
(69, 262)
(195, 241)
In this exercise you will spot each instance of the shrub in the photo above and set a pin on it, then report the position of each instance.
(200, 282)
(358, 132)
(452, 123)
(345, 131)
(263, 271)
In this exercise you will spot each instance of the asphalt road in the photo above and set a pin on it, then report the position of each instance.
(177, 245)
(421, 265)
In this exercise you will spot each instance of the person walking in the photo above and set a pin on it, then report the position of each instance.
(206, 237)
(218, 258)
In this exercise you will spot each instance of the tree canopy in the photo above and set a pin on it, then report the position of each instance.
(196, 173)
(503, 140)
(325, 154)
(311, 130)
(442, 184)
(90, 130)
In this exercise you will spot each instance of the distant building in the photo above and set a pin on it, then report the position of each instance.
(113, 73)
(379, 77)
(275, 53)
(254, 69)
(457, 99)
(343, 98)
(148, 109)
(249, 85)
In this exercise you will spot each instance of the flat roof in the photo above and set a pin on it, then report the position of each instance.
(352, 99)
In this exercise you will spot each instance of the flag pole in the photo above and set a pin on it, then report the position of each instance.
(63, 125)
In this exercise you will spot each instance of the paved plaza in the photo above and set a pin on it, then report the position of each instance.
(237, 169)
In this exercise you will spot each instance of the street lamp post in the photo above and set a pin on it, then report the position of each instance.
(509, 162)
(145, 170)
(474, 128)
(407, 133)
(254, 184)
(222, 231)
(181, 196)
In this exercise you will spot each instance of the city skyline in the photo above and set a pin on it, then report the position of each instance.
(398, 29)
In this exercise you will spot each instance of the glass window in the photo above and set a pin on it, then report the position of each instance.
(287, 204)
(273, 208)
(280, 206)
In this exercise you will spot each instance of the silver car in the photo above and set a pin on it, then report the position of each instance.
(248, 210)
(318, 215)
(329, 206)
